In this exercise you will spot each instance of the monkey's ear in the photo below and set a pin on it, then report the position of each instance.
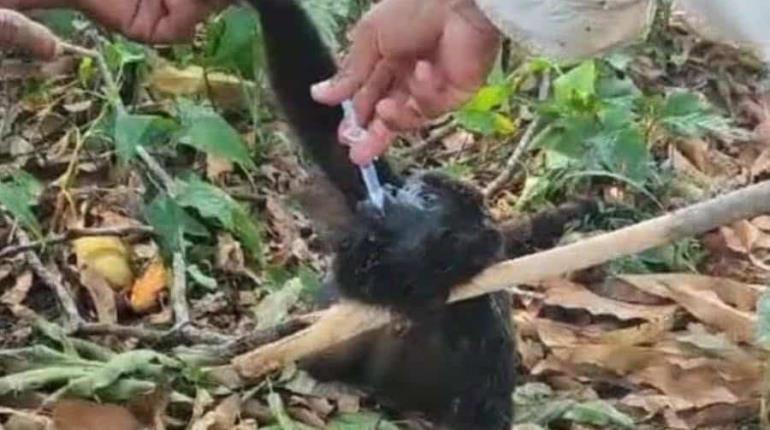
(325, 206)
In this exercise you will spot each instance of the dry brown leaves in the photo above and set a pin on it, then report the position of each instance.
(683, 352)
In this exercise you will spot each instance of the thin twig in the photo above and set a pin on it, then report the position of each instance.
(526, 142)
(166, 180)
(347, 320)
(171, 338)
(178, 293)
(513, 161)
(50, 279)
(436, 135)
(75, 233)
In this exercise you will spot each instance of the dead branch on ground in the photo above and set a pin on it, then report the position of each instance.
(347, 320)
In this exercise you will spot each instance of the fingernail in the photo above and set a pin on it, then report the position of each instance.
(318, 90)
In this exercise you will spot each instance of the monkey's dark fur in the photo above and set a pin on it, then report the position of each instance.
(454, 363)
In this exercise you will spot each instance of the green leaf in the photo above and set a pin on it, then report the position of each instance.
(233, 42)
(123, 52)
(621, 149)
(138, 362)
(211, 202)
(600, 414)
(483, 122)
(479, 114)
(201, 278)
(207, 131)
(170, 222)
(132, 131)
(685, 114)
(360, 421)
(489, 97)
(579, 83)
(16, 200)
(329, 17)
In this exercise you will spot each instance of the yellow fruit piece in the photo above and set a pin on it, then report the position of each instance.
(147, 289)
(108, 256)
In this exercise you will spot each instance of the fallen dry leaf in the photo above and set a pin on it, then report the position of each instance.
(146, 291)
(102, 295)
(82, 415)
(569, 295)
(741, 236)
(106, 255)
(16, 294)
(226, 90)
(223, 417)
(708, 299)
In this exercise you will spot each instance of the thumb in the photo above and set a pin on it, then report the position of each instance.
(355, 70)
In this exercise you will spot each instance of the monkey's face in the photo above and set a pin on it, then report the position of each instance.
(433, 234)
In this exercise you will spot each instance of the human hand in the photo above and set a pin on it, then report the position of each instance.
(409, 61)
(150, 21)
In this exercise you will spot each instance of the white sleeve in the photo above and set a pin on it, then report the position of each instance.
(570, 29)
(743, 23)
(575, 29)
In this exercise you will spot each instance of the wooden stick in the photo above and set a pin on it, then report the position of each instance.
(347, 320)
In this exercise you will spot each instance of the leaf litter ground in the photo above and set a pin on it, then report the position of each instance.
(669, 339)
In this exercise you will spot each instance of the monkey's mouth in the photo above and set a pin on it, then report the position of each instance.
(413, 193)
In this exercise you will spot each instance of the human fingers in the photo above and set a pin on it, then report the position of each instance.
(430, 92)
(378, 139)
(179, 21)
(356, 69)
(400, 114)
(366, 98)
(34, 4)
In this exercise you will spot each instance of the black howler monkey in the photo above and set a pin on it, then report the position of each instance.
(454, 363)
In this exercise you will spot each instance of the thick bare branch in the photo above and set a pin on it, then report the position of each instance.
(348, 320)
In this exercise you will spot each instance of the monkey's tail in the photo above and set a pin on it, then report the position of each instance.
(298, 58)
(543, 230)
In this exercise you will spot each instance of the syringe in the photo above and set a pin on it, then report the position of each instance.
(368, 172)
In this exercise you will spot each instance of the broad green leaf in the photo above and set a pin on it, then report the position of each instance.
(360, 421)
(171, 222)
(132, 131)
(207, 131)
(622, 152)
(483, 122)
(486, 122)
(233, 41)
(164, 215)
(578, 83)
(600, 414)
(489, 97)
(28, 185)
(684, 113)
(17, 201)
(211, 202)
